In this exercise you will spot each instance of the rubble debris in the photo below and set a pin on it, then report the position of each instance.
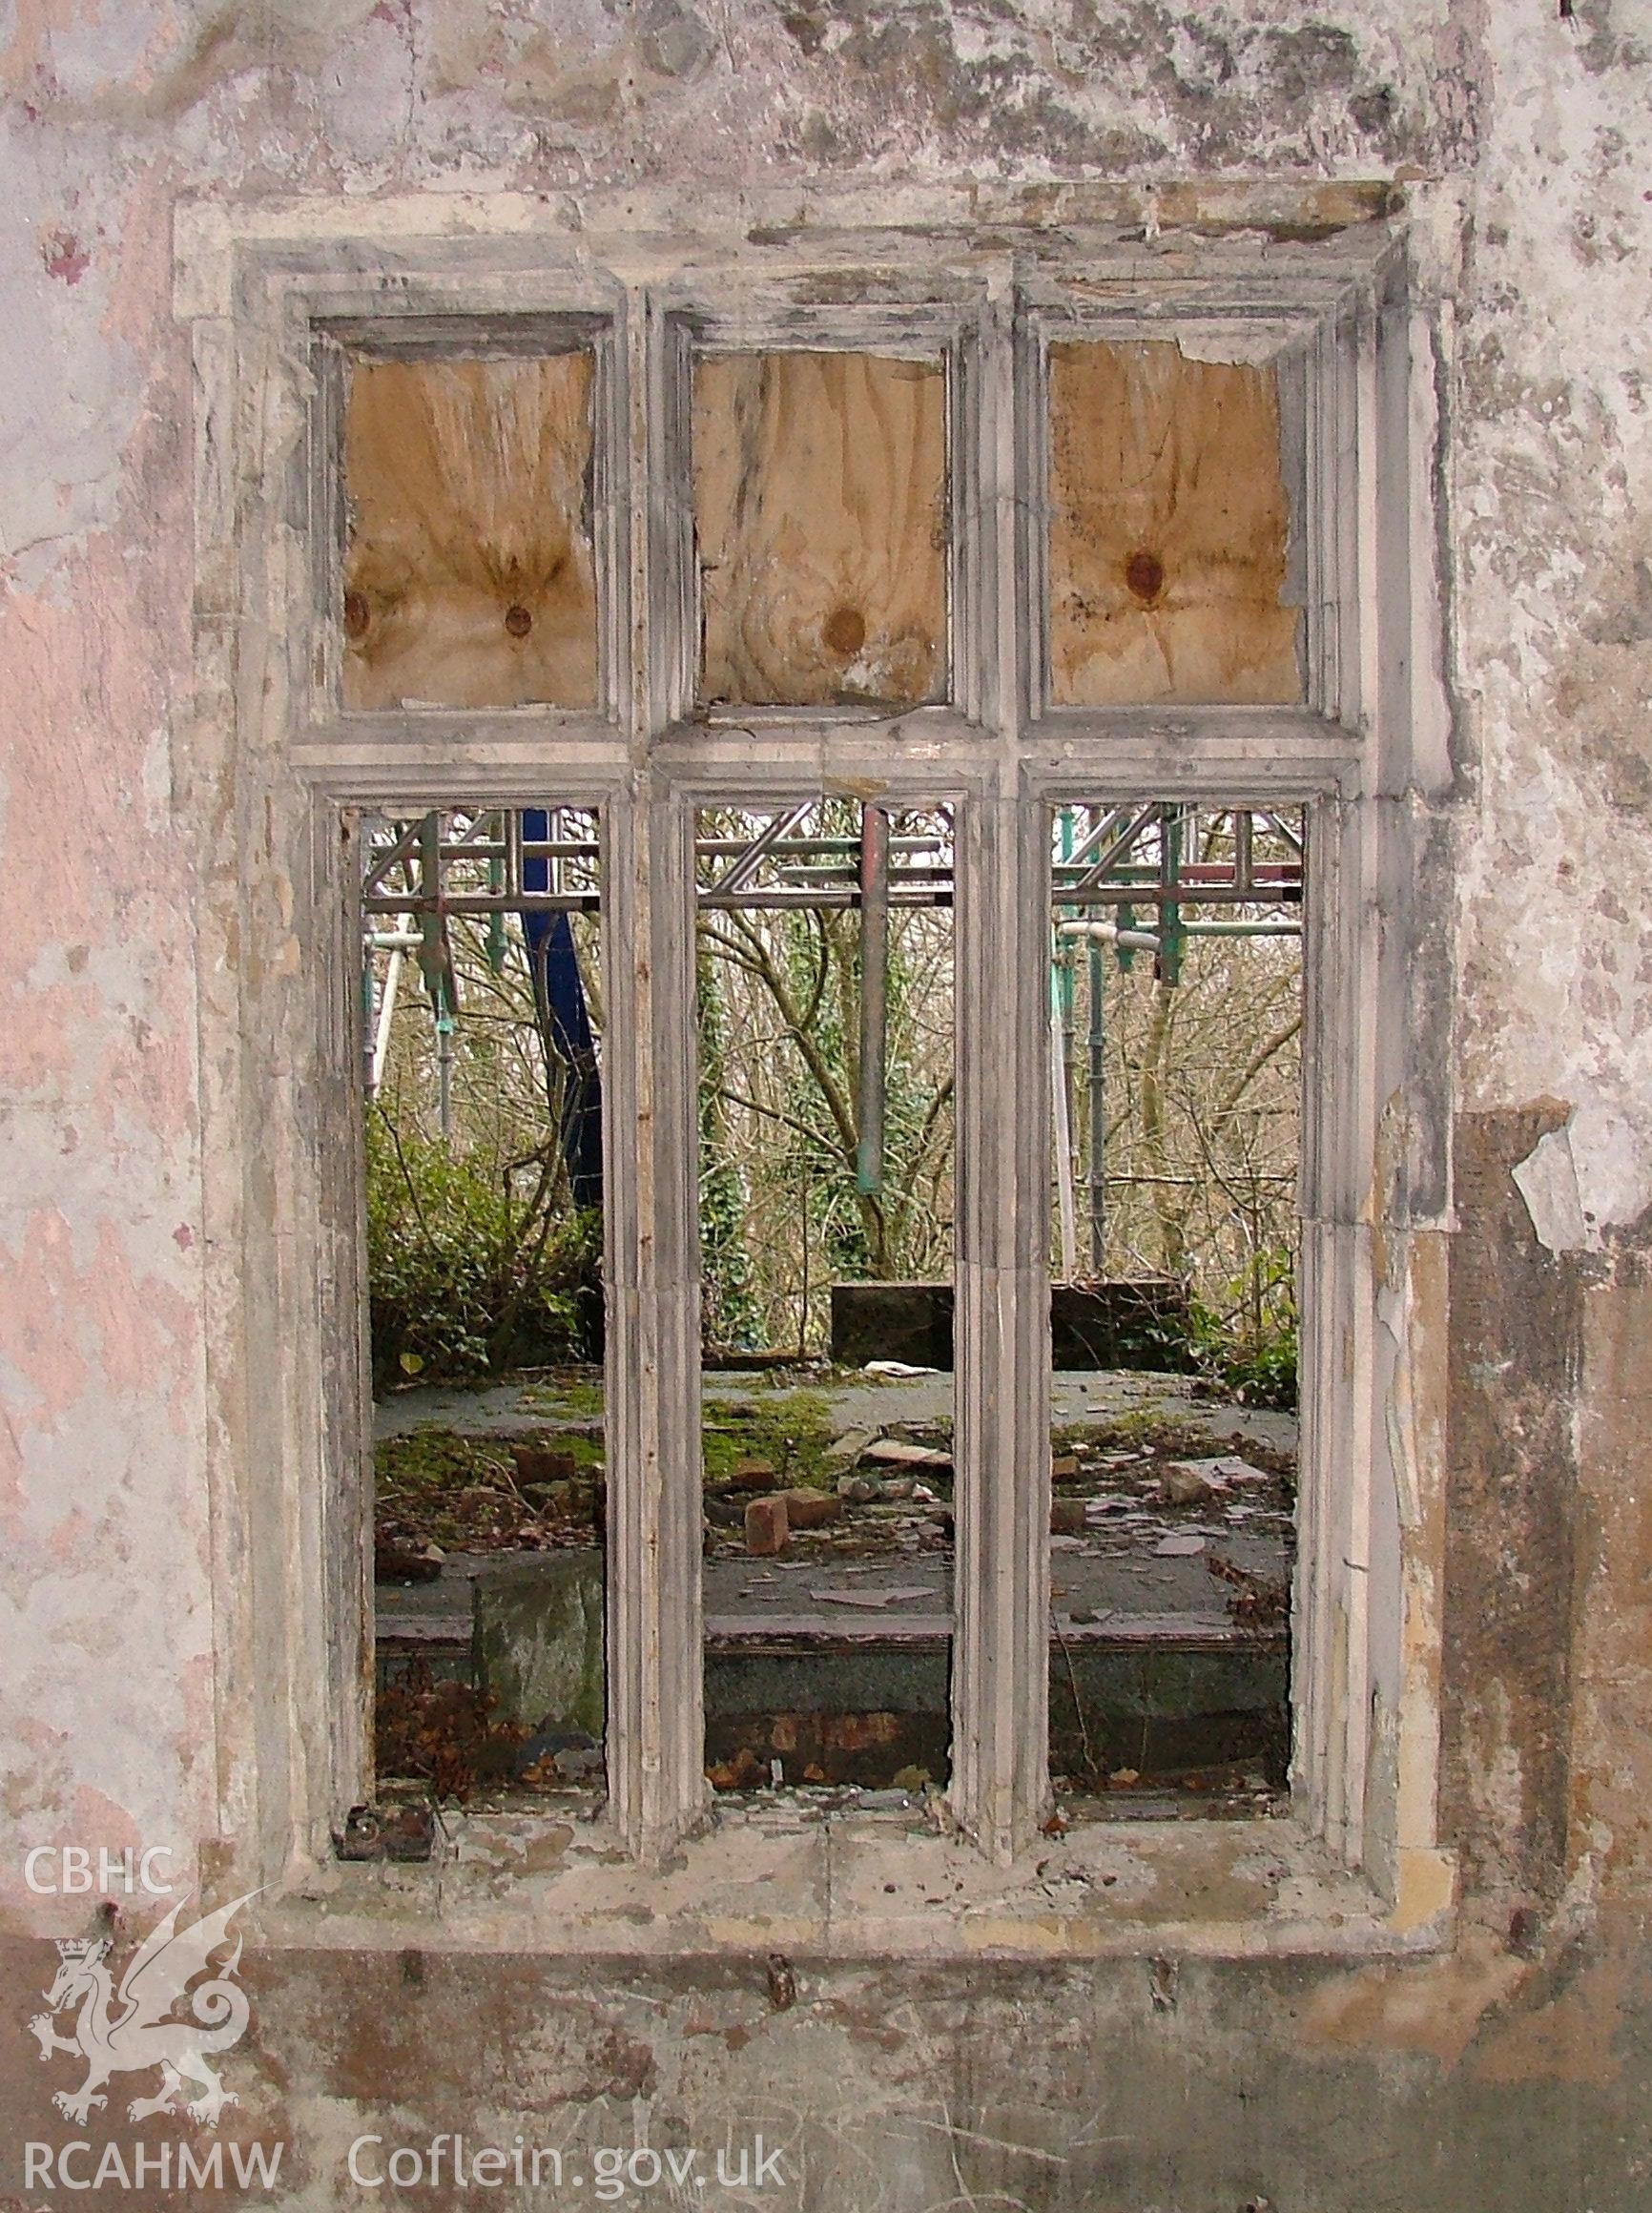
(900, 1593)
(751, 1476)
(1190, 1483)
(1260, 1601)
(444, 1734)
(848, 1447)
(553, 1756)
(768, 1526)
(745, 1771)
(540, 1464)
(898, 1452)
(811, 1509)
(396, 1832)
(859, 1490)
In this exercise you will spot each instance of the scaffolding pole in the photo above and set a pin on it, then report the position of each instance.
(1098, 1109)
(873, 999)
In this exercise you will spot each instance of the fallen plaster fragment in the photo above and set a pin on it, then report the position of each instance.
(879, 1597)
(1593, 1174)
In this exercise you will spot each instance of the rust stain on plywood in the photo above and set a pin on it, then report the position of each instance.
(1168, 530)
(469, 580)
(820, 512)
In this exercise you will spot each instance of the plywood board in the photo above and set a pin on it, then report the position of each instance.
(1168, 530)
(469, 579)
(820, 515)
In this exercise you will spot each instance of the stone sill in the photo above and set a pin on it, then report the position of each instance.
(866, 1886)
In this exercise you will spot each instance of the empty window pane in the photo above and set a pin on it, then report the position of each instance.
(825, 1010)
(1175, 1016)
(483, 1175)
(1169, 530)
(469, 578)
(820, 510)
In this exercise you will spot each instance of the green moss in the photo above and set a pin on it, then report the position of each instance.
(574, 1395)
(431, 1459)
(793, 1432)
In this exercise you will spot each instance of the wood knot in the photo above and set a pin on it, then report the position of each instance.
(1145, 574)
(356, 615)
(518, 621)
(844, 630)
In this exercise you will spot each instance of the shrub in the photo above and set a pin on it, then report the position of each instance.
(466, 1280)
(1249, 1344)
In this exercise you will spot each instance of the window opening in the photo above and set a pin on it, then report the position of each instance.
(825, 1013)
(484, 1179)
(1031, 508)
(1175, 1013)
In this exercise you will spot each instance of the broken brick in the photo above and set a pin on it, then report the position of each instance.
(811, 1509)
(751, 1476)
(543, 1463)
(767, 1527)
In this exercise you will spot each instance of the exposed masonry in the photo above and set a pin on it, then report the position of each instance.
(270, 313)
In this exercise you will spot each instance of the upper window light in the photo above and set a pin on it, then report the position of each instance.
(820, 510)
(1169, 530)
(469, 579)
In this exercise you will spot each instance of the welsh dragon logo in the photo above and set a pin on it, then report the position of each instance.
(126, 2031)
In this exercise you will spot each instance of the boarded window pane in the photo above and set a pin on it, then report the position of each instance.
(1169, 531)
(820, 500)
(469, 580)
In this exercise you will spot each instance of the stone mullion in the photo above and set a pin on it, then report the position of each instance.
(1001, 1761)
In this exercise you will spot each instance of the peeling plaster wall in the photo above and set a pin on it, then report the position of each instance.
(1540, 130)
(1549, 478)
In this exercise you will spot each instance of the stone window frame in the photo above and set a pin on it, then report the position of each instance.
(269, 294)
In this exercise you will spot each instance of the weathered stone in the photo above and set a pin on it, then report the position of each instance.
(898, 1452)
(539, 1640)
(859, 1490)
(811, 1509)
(848, 1447)
(1185, 1484)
